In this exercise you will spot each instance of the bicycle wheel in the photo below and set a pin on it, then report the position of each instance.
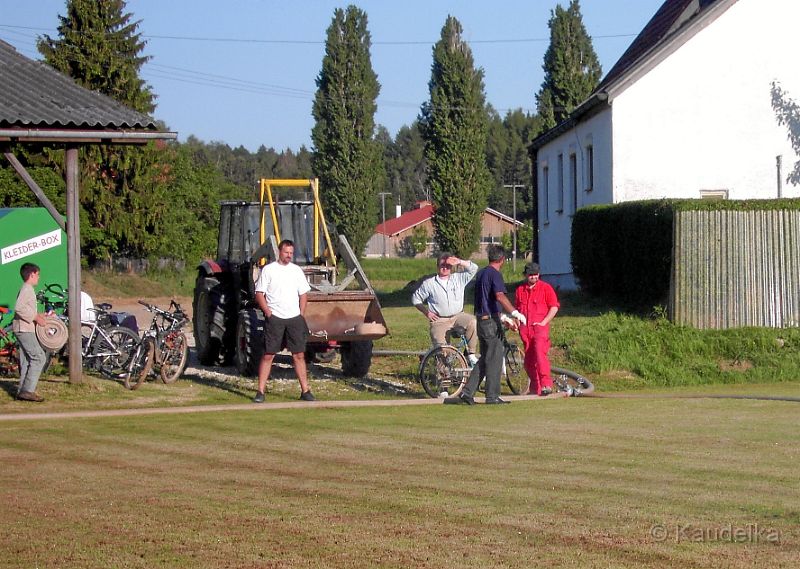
(516, 376)
(140, 364)
(570, 382)
(114, 354)
(443, 370)
(174, 355)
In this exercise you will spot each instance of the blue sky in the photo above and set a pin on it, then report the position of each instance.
(243, 71)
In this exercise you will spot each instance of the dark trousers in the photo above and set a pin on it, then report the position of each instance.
(490, 366)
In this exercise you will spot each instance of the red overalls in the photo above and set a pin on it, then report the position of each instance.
(535, 302)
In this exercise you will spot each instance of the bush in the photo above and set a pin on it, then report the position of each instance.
(623, 252)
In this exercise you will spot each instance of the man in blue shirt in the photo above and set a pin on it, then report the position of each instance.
(441, 299)
(490, 301)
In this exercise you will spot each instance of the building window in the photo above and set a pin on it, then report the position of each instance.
(545, 194)
(714, 194)
(589, 168)
(573, 181)
(560, 188)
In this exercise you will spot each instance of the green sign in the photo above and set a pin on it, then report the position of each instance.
(30, 235)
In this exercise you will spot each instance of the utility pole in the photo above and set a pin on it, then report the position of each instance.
(514, 215)
(383, 215)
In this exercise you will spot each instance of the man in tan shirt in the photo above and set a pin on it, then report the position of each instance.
(26, 317)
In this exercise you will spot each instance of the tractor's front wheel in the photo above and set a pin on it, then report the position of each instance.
(249, 341)
(356, 358)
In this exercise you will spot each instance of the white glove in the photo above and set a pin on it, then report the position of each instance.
(508, 322)
(519, 316)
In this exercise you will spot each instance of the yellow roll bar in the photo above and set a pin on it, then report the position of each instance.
(266, 186)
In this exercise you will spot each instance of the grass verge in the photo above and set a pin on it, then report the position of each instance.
(561, 483)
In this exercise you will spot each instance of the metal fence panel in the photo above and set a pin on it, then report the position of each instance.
(736, 268)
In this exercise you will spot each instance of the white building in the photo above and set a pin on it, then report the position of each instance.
(686, 112)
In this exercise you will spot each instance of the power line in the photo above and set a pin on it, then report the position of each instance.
(322, 42)
(194, 77)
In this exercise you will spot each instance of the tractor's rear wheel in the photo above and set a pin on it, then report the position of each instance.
(249, 342)
(209, 320)
(356, 358)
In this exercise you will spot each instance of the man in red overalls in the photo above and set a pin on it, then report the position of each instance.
(537, 301)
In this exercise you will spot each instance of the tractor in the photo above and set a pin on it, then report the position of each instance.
(343, 312)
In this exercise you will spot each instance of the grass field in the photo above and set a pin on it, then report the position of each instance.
(561, 483)
(650, 476)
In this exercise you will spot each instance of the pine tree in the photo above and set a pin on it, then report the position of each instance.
(346, 157)
(571, 67)
(454, 126)
(99, 47)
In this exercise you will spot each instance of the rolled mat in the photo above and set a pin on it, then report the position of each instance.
(53, 335)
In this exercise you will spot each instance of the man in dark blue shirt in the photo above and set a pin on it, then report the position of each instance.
(490, 301)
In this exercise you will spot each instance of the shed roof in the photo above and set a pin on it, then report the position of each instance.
(406, 221)
(35, 97)
(422, 214)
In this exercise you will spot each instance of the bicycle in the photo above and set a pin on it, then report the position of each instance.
(107, 349)
(444, 370)
(105, 346)
(170, 348)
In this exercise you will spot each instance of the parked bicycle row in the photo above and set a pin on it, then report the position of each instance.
(111, 344)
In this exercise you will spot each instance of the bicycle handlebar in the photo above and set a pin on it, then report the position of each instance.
(178, 314)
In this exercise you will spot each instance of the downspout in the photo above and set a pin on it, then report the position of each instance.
(535, 196)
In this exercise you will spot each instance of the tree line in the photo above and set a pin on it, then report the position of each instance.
(162, 200)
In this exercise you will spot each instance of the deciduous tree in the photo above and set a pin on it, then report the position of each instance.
(788, 113)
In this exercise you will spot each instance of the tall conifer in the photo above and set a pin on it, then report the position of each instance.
(454, 126)
(571, 67)
(100, 48)
(346, 157)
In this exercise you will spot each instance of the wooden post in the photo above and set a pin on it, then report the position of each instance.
(74, 267)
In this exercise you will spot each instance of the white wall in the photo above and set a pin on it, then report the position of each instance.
(555, 227)
(703, 120)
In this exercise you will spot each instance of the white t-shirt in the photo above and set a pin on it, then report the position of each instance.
(282, 285)
(87, 314)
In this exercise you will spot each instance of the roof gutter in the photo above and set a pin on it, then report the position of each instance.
(574, 117)
(49, 135)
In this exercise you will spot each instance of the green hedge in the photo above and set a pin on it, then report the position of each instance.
(623, 252)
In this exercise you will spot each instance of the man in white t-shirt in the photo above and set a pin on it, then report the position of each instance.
(281, 294)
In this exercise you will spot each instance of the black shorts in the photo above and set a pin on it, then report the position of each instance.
(280, 333)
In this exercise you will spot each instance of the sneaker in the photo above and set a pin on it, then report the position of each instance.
(259, 398)
(307, 396)
(472, 359)
(546, 391)
(459, 400)
(497, 401)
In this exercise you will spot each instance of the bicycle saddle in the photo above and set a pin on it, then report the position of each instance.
(458, 331)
